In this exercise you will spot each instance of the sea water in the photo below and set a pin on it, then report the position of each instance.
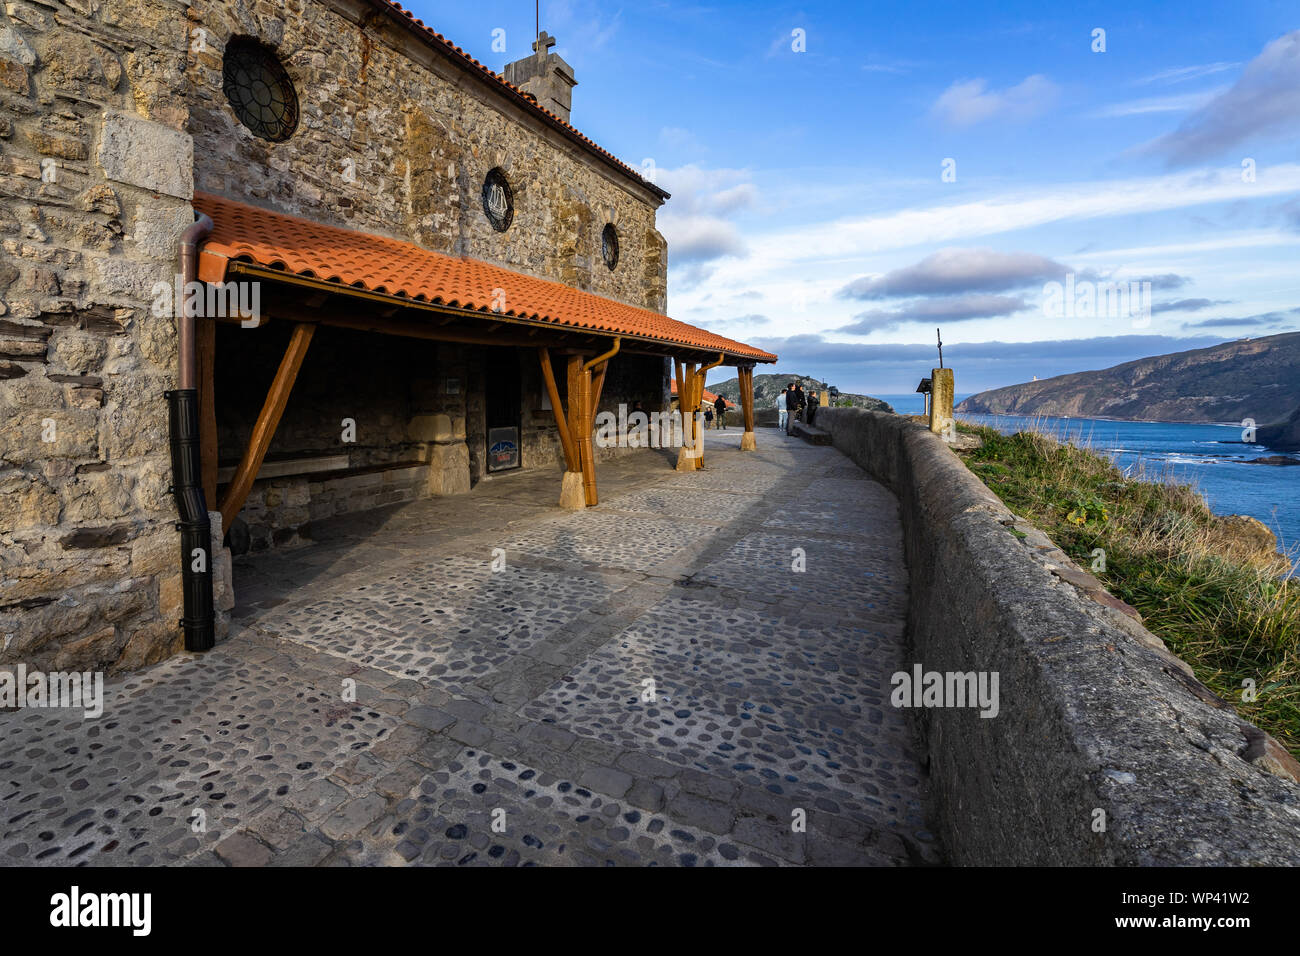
(1210, 458)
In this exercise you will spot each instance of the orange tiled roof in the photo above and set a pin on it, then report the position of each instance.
(439, 42)
(351, 259)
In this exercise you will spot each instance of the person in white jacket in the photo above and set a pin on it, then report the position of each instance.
(781, 411)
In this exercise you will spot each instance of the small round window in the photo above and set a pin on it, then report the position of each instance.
(259, 90)
(498, 200)
(609, 245)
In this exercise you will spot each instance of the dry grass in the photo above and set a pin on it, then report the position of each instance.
(1214, 589)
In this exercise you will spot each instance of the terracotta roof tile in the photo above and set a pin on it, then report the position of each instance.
(348, 258)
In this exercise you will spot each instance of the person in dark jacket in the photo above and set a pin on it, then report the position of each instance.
(799, 402)
(721, 406)
(814, 402)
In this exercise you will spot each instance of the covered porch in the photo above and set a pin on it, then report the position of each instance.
(510, 370)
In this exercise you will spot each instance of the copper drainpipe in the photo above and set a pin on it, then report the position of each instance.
(187, 482)
(190, 240)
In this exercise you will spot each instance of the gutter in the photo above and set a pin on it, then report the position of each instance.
(187, 473)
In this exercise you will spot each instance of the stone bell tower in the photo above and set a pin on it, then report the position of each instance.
(546, 76)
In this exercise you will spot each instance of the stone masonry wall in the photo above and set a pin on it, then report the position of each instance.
(393, 140)
(1096, 716)
(95, 183)
(98, 101)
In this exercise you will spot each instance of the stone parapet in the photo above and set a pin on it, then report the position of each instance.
(1105, 750)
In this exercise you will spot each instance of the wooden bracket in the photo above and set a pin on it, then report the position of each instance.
(267, 422)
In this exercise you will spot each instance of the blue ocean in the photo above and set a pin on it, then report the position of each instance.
(1207, 457)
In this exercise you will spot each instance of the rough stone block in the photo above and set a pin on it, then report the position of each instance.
(240, 849)
(435, 427)
(449, 469)
(606, 780)
(141, 153)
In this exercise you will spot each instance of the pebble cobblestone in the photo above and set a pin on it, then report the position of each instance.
(693, 673)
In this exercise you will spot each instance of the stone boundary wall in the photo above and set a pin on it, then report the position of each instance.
(1095, 715)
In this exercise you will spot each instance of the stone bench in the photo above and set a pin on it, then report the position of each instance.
(811, 434)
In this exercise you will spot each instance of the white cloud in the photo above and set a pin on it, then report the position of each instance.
(1159, 104)
(859, 237)
(1184, 73)
(970, 102)
(700, 238)
(697, 223)
(1264, 101)
(959, 270)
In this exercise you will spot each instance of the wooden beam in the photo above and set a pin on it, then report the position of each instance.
(205, 347)
(557, 408)
(267, 421)
(363, 320)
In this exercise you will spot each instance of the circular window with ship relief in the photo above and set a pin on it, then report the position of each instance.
(609, 245)
(259, 89)
(498, 200)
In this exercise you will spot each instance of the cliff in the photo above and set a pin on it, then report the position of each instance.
(1250, 378)
(1284, 435)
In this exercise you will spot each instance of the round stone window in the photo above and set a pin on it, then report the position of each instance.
(498, 200)
(609, 245)
(259, 90)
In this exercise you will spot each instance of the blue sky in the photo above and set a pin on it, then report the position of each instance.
(810, 212)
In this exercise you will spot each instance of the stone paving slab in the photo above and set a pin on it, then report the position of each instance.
(387, 696)
(845, 576)
(610, 540)
(792, 712)
(484, 811)
(192, 734)
(446, 632)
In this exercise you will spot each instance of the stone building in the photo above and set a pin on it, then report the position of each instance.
(266, 263)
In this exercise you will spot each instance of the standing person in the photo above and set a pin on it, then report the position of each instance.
(814, 402)
(800, 401)
(781, 410)
(708, 416)
(721, 406)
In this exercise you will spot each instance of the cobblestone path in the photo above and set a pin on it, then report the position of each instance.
(647, 681)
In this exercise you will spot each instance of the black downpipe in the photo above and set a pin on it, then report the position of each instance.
(195, 529)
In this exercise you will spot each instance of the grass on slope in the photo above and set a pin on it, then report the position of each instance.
(1224, 603)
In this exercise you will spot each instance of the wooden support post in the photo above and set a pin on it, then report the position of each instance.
(686, 406)
(586, 451)
(572, 491)
(701, 375)
(205, 347)
(267, 421)
(679, 370)
(746, 382)
(557, 409)
(590, 400)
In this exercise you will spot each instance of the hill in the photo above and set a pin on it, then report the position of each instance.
(1284, 435)
(1249, 378)
(767, 386)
